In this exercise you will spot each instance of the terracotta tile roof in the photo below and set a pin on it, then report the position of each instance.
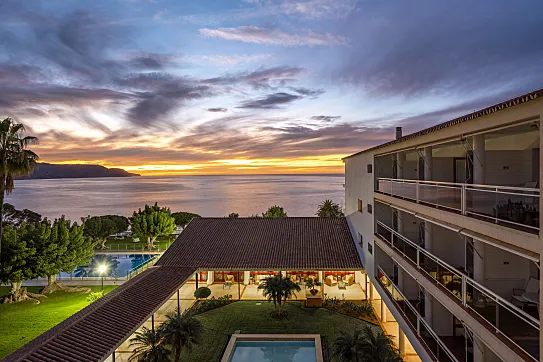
(93, 333)
(480, 113)
(265, 244)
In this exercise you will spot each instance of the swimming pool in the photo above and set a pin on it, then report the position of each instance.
(276, 348)
(117, 265)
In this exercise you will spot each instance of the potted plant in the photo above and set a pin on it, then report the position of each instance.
(311, 284)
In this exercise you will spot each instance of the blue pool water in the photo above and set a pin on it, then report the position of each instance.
(117, 265)
(277, 351)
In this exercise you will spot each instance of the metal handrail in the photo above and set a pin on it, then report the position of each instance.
(499, 300)
(535, 323)
(460, 203)
(458, 184)
(141, 267)
(420, 319)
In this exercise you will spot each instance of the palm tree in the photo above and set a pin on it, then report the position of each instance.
(278, 289)
(328, 208)
(378, 347)
(348, 347)
(15, 160)
(181, 331)
(149, 347)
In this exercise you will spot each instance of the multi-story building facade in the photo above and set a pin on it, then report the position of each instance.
(447, 220)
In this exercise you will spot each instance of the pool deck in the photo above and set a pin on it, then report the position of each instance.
(273, 337)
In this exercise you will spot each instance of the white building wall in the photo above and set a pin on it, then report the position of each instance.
(359, 185)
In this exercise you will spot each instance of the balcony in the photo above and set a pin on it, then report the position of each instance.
(514, 207)
(429, 339)
(493, 311)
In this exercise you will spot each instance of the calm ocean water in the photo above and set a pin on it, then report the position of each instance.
(204, 195)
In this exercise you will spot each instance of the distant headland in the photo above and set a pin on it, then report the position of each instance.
(52, 171)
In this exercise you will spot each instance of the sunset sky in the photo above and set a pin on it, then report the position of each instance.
(254, 86)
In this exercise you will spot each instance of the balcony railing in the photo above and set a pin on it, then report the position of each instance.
(516, 207)
(506, 318)
(417, 323)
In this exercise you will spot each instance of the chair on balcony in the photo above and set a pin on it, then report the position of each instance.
(531, 289)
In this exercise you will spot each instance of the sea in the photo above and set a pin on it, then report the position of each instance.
(208, 196)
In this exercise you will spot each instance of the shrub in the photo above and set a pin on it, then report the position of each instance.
(202, 293)
(212, 303)
(93, 297)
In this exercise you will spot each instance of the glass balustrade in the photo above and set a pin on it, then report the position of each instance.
(516, 207)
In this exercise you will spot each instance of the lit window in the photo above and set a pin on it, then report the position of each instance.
(360, 205)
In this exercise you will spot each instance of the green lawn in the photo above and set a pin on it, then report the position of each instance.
(127, 243)
(248, 317)
(22, 322)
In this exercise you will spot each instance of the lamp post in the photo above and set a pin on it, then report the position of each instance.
(102, 269)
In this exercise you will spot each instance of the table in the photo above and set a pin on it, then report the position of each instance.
(227, 285)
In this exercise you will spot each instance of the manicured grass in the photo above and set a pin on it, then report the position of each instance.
(248, 317)
(127, 243)
(21, 322)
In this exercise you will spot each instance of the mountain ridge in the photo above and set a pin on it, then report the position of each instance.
(55, 171)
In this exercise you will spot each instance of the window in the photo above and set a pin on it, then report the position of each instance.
(370, 168)
(360, 205)
(369, 208)
(361, 240)
(370, 248)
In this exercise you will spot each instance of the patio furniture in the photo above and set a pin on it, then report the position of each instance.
(341, 285)
(531, 289)
(227, 285)
(330, 281)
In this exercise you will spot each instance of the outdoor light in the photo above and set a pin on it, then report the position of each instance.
(102, 269)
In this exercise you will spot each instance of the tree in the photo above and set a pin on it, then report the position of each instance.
(348, 347)
(182, 218)
(181, 331)
(152, 222)
(364, 346)
(148, 347)
(279, 289)
(19, 263)
(60, 246)
(233, 215)
(377, 347)
(328, 208)
(121, 223)
(98, 228)
(15, 160)
(202, 293)
(15, 217)
(275, 212)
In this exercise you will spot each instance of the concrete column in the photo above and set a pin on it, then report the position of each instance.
(479, 261)
(428, 163)
(399, 221)
(321, 276)
(479, 159)
(371, 291)
(401, 279)
(428, 309)
(383, 311)
(284, 273)
(401, 342)
(400, 156)
(428, 233)
(210, 277)
(246, 277)
(478, 350)
(358, 277)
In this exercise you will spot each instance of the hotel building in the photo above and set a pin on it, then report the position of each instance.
(447, 221)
